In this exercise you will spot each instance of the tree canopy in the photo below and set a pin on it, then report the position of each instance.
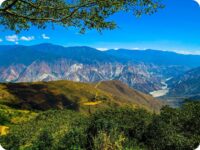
(20, 15)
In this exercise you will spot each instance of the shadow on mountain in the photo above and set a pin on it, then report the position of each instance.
(39, 97)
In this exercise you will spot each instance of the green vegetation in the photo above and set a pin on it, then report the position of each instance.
(109, 129)
(54, 123)
(105, 116)
(20, 15)
(14, 116)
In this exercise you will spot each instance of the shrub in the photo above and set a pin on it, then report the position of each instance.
(75, 139)
(132, 123)
(44, 142)
(176, 129)
(4, 119)
(10, 142)
(109, 141)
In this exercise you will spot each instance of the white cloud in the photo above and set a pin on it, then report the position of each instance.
(1, 40)
(102, 49)
(105, 49)
(44, 36)
(135, 48)
(28, 38)
(12, 38)
(187, 52)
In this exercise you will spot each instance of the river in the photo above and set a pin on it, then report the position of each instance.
(163, 91)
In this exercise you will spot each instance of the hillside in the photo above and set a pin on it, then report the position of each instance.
(73, 95)
(122, 92)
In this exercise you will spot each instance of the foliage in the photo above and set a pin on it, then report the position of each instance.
(75, 139)
(132, 123)
(126, 122)
(112, 141)
(3, 119)
(12, 142)
(56, 122)
(175, 128)
(117, 128)
(14, 116)
(19, 15)
(44, 142)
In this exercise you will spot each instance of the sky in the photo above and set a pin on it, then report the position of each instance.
(174, 28)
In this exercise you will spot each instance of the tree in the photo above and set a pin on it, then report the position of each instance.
(175, 128)
(44, 142)
(75, 139)
(11, 142)
(109, 141)
(132, 123)
(3, 119)
(20, 15)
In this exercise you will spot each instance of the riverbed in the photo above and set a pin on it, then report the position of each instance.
(163, 91)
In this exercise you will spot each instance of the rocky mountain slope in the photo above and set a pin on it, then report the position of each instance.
(186, 85)
(143, 70)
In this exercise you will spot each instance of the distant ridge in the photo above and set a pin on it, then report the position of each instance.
(157, 57)
(86, 54)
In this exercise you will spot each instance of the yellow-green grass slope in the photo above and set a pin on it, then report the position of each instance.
(121, 92)
(74, 96)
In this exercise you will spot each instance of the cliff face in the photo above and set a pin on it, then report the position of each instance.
(135, 75)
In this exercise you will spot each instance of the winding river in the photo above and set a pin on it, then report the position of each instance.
(163, 91)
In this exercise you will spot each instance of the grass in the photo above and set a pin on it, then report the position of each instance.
(73, 95)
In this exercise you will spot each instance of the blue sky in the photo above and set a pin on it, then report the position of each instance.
(175, 28)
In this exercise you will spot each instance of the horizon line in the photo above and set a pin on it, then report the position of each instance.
(182, 52)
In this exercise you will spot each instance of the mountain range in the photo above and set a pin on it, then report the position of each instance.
(144, 70)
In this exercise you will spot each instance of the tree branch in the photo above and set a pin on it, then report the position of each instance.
(10, 5)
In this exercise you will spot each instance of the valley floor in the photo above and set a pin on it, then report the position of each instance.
(164, 90)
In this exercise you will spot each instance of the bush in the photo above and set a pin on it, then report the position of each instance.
(75, 139)
(132, 123)
(4, 119)
(10, 142)
(176, 129)
(112, 141)
(119, 128)
(44, 142)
